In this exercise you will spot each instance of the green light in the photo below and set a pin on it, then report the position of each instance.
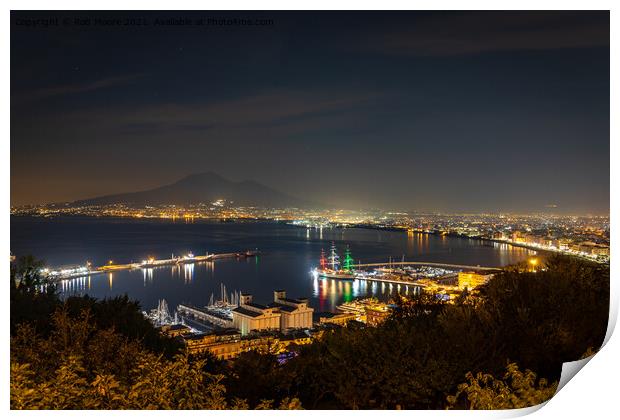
(348, 262)
(347, 295)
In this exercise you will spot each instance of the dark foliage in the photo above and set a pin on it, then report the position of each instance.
(536, 320)
(419, 357)
(34, 300)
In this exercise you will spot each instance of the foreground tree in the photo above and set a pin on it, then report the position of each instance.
(86, 353)
(78, 366)
(516, 390)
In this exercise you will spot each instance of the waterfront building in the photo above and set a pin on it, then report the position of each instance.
(473, 279)
(295, 313)
(357, 307)
(377, 314)
(220, 317)
(175, 330)
(517, 237)
(250, 316)
(197, 343)
(336, 319)
(228, 344)
(499, 235)
(281, 315)
(600, 250)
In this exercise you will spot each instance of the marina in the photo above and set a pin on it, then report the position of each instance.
(215, 315)
(286, 260)
(408, 273)
(443, 280)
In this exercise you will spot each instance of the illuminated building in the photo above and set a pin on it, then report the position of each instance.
(377, 314)
(175, 330)
(337, 319)
(228, 343)
(281, 315)
(250, 316)
(600, 250)
(516, 237)
(227, 338)
(472, 279)
(295, 313)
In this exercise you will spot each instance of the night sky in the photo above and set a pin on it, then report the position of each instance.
(468, 111)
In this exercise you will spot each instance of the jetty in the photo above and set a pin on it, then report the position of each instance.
(151, 262)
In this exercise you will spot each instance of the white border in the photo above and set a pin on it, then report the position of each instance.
(593, 395)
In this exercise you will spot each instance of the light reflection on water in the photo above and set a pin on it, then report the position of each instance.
(327, 293)
(289, 255)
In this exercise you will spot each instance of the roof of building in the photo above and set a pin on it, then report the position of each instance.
(480, 272)
(295, 301)
(226, 331)
(195, 336)
(218, 333)
(256, 305)
(282, 307)
(177, 327)
(247, 312)
(378, 308)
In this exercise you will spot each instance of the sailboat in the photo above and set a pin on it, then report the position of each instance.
(227, 300)
(330, 267)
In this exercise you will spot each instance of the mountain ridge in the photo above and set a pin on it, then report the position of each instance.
(204, 187)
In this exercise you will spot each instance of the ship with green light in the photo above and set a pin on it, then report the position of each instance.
(331, 267)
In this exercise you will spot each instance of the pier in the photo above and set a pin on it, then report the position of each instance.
(205, 315)
(87, 270)
(393, 281)
(429, 264)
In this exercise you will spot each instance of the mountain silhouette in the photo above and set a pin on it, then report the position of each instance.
(203, 188)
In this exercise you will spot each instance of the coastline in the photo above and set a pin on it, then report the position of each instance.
(480, 238)
(244, 220)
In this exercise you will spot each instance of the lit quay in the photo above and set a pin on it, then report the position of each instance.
(66, 273)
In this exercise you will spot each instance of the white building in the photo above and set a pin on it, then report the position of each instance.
(281, 315)
(250, 316)
(295, 313)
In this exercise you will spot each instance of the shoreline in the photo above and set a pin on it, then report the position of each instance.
(103, 269)
(480, 238)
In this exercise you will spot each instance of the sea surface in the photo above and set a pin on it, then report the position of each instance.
(288, 255)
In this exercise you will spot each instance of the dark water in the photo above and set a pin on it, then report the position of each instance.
(289, 254)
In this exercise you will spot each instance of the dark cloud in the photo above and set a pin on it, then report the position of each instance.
(76, 88)
(409, 110)
(475, 33)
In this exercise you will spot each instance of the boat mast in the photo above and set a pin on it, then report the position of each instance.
(334, 258)
(348, 263)
(323, 260)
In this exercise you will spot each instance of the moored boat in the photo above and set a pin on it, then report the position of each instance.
(331, 268)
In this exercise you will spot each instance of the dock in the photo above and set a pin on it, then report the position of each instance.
(87, 270)
(204, 314)
(428, 264)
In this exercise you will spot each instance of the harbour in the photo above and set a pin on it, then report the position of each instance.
(288, 255)
(87, 269)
